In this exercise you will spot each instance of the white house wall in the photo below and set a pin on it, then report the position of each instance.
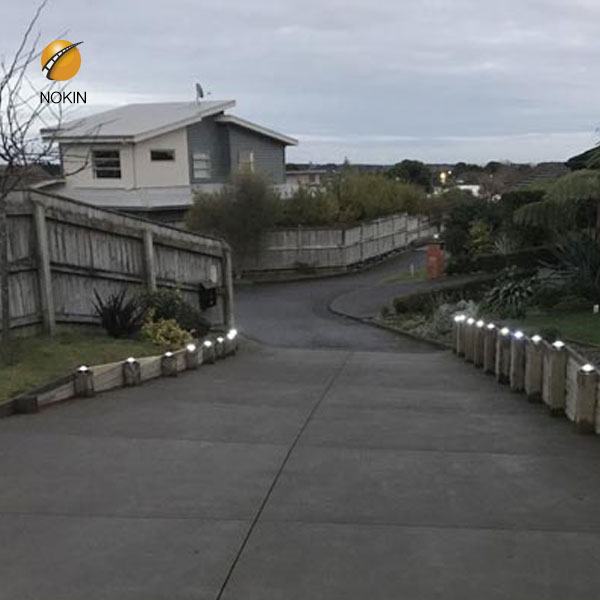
(163, 173)
(137, 170)
(77, 165)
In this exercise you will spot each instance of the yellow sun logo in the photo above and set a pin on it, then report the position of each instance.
(61, 60)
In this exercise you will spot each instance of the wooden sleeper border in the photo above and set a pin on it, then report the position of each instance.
(88, 381)
(554, 374)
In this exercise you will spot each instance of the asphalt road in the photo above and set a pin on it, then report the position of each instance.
(298, 314)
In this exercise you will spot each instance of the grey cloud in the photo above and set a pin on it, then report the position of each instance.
(435, 79)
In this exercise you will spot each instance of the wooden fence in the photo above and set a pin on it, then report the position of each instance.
(553, 373)
(61, 250)
(336, 249)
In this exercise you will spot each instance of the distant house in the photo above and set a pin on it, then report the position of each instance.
(151, 158)
(306, 177)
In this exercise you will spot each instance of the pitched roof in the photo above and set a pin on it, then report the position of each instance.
(257, 128)
(136, 122)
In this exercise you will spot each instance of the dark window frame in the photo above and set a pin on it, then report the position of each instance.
(106, 164)
(168, 155)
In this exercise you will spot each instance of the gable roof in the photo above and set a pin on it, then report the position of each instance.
(137, 122)
(257, 129)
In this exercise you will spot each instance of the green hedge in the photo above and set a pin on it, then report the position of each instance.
(426, 302)
(527, 258)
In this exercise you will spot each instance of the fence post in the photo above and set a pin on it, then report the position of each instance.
(227, 266)
(43, 269)
(585, 408)
(517, 362)
(503, 356)
(470, 339)
(489, 349)
(478, 354)
(534, 357)
(149, 260)
(457, 342)
(554, 379)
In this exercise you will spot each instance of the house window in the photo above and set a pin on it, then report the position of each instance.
(201, 167)
(160, 155)
(106, 164)
(246, 161)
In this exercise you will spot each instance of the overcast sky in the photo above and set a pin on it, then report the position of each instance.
(374, 81)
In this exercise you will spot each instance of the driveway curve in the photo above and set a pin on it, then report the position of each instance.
(299, 314)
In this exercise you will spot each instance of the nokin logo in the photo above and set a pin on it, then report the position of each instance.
(60, 62)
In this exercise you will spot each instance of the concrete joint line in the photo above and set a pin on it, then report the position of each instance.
(282, 466)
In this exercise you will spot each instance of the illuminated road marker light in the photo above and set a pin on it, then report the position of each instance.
(168, 364)
(132, 372)
(192, 357)
(209, 352)
(558, 344)
(582, 407)
(536, 339)
(220, 347)
(84, 382)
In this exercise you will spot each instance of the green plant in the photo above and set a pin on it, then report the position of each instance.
(119, 316)
(579, 265)
(308, 207)
(168, 303)
(241, 213)
(411, 304)
(573, 198)
(481, 240)
(165, 332)
(510, 298)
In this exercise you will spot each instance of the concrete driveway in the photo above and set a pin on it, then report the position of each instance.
(295, 473)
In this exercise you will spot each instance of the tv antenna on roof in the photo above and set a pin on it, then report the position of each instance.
(200, 93)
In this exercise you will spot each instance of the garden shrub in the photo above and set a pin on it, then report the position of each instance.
(120, 317)
(511, 297)
(578, 263)
(309, 207)
(165, 332)
(168, 304)
(526, 258)
(241, 212)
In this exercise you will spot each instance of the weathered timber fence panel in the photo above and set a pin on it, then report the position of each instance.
(61, 250)
(336, 249)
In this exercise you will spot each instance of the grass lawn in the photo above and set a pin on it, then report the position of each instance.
(581, 326)
(419, 275)
(34, 361)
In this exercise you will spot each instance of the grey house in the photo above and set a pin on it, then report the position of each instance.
(151, 158)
